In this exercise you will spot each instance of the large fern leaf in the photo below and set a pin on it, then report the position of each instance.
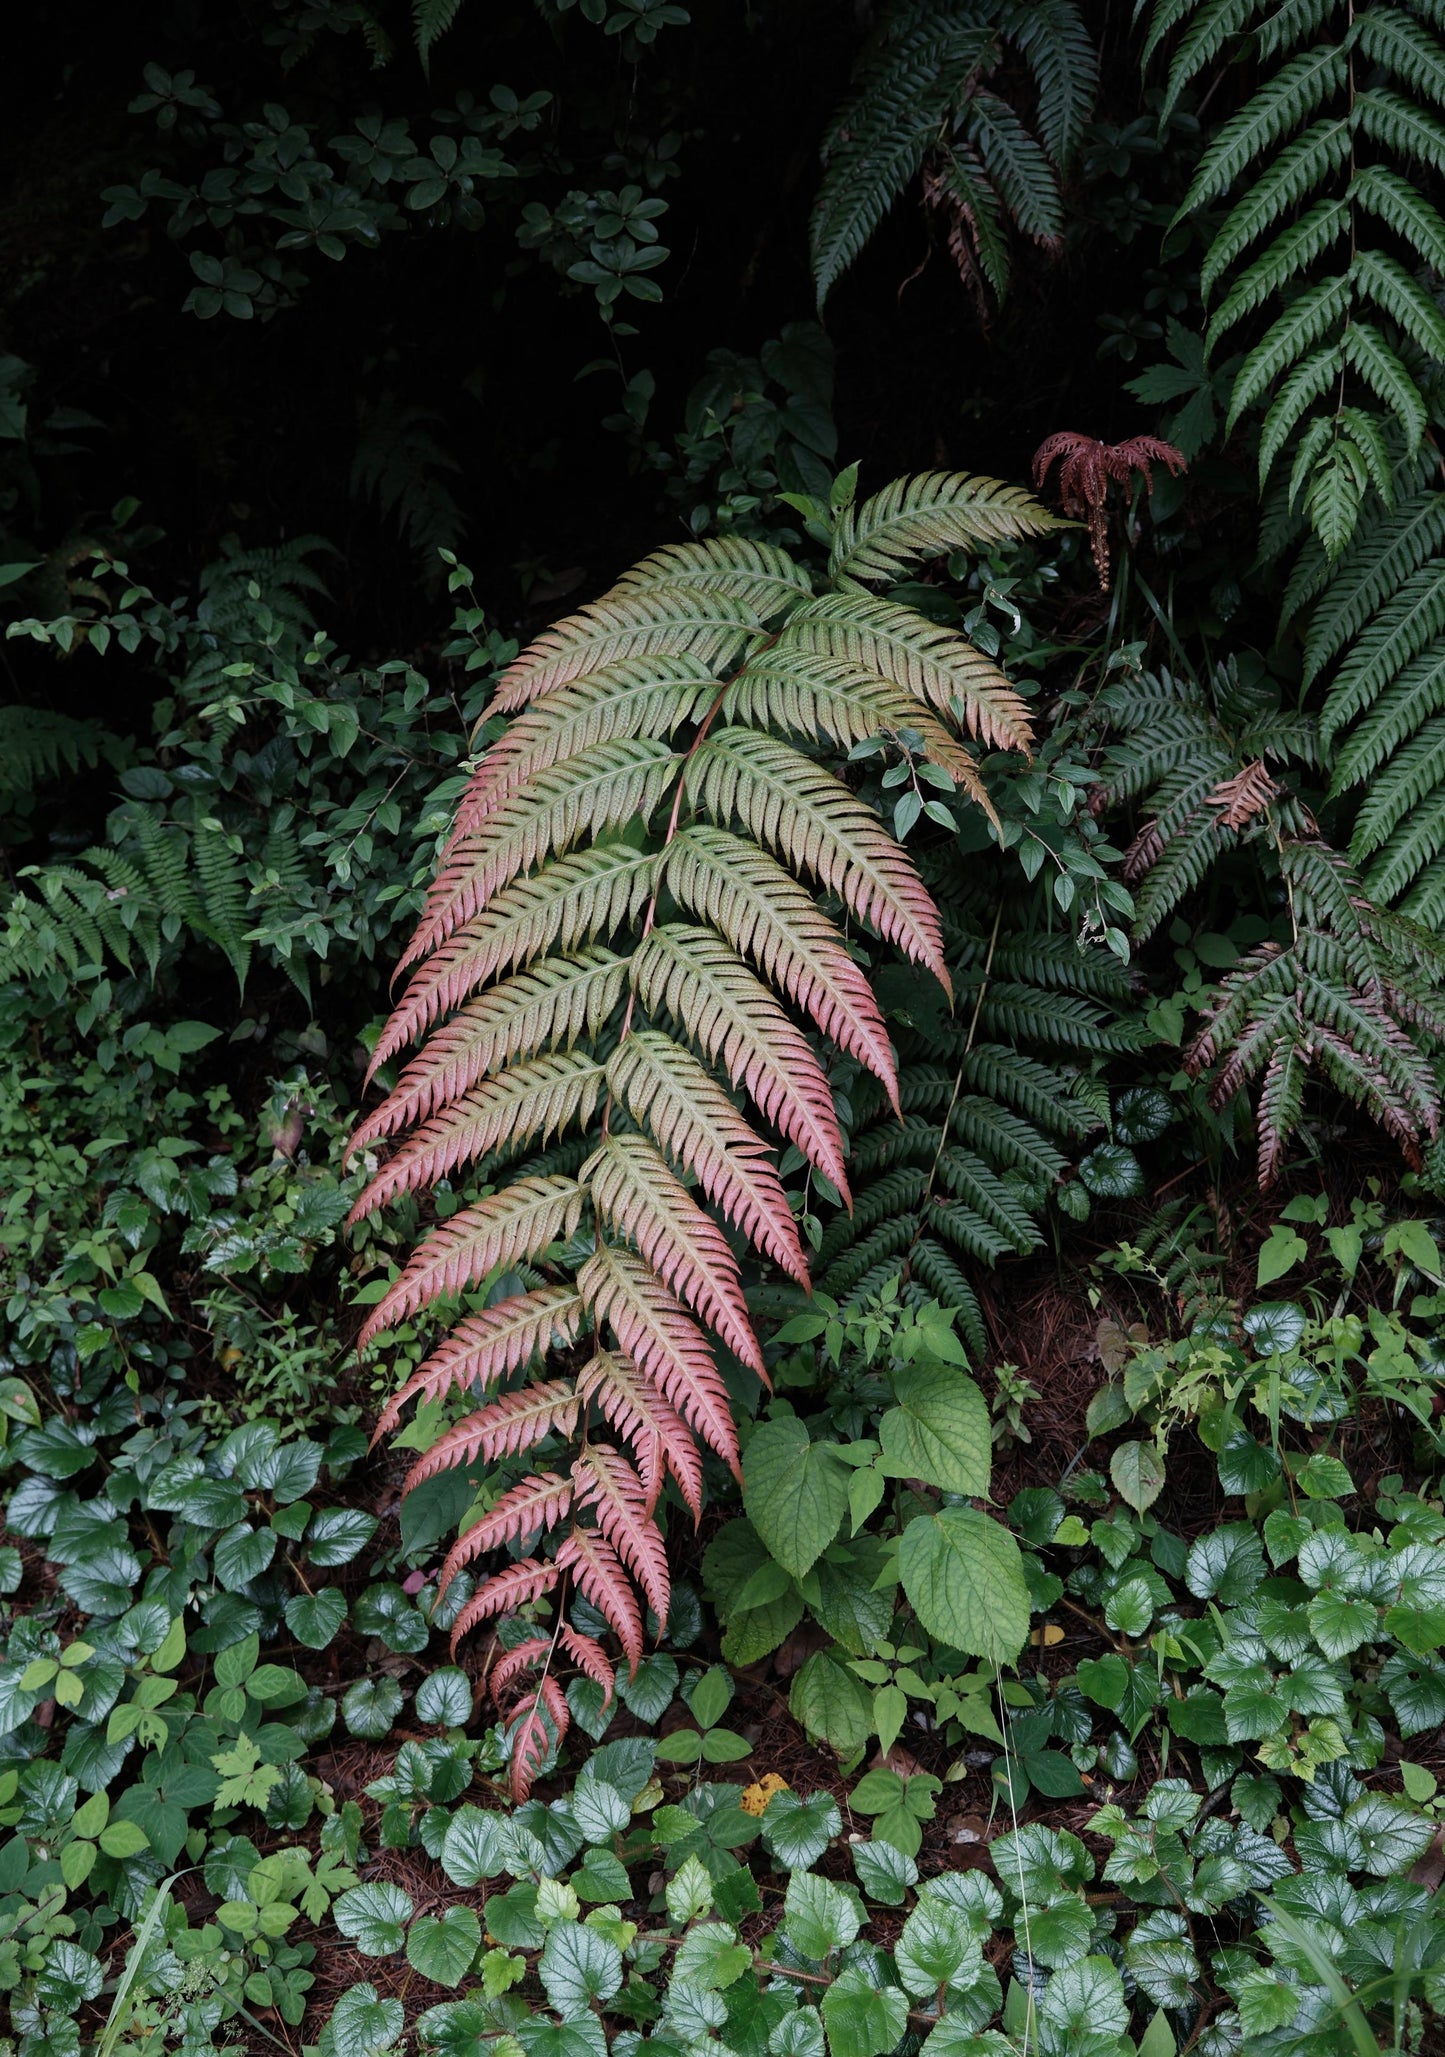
(626, 941)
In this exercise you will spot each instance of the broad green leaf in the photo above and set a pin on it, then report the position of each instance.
(579, 1966)
(1083, 2009)
(862, 2019)
(937, 1948)
(443, 1947)
(796, 1830)
(370, 1707)
(939, 1430)
(688, 1893)
(820, 1916)
(1225, 1564)
(1058, 1933)
(828, 1701)
(711, 1956)
(315, 1619)
(444, 1697)
(884, 1871)
(1138, 1474)
(374, 1917)
(964, 1579)
(795, 1492)
(473, 1848)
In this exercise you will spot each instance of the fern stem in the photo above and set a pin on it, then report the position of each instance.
(967, 1048)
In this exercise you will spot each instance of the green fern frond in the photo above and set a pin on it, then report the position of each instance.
(37, 745)
(1281, 104)
(430, 21)
(922, 98)
(926, 516)
(880, 139)
(1023, 176)
(1296, 152)
(1059, 50)
(934, 1267)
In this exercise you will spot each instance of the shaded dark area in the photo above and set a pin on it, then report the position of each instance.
(252, 427)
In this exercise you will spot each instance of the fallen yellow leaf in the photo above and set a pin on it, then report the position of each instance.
(1047, 1636)
(756, 1797)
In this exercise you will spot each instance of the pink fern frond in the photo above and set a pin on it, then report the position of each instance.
(663, 1340)
(721, 1003)
(632, 1404)
(521, 1583)
(606, 1482)
(589, 1657)
(529, 1509)
(488, 1347)
(664, 1087)
(510, 1424)
(600, 1578)
(635, 1189)
(508, 1228)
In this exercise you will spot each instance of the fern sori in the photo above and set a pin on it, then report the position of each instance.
(993, 1097)
(1330, 254)
(922, 104)
(637, 939)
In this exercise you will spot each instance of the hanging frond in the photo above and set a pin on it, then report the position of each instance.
(528, 1510)
(601, 1578)
(605, 1481)
(921, 98)
(721, 1005)
(625, 948)
(636, 1409)
(1324, 157)
(1339, 997)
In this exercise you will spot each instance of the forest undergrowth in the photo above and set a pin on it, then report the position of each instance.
(721, 1017)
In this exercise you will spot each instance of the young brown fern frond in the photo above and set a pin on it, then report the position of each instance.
(625, 943)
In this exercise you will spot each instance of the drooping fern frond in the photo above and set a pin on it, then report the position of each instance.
(1354, 994)
(37, 745)
(1198, 757)
(128, 904)
(644, 936)
(1329, 258)
(922, 105)
(992, 1098)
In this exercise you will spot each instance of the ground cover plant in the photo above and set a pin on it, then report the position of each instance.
(721, 1016)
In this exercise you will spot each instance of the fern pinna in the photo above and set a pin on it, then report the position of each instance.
(640, 931)
(922, 102)
(1329, 255)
